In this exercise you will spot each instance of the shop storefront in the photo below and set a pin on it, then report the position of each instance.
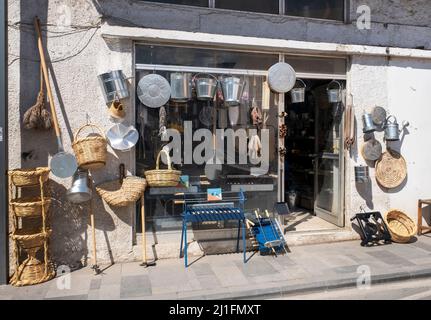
(294, 158)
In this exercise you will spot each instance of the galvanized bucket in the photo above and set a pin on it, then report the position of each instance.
(298, 93)
(362, 174)
(232, 88)
(80, 191)
(181, 87)
(114, 86)
(392, 131)
(334, 94)
(368, 123)
(206, 86)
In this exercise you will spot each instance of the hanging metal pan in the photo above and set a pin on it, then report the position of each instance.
(371, 150)
(121, 137)
(281, 77)
(154, 91)
(379, 116)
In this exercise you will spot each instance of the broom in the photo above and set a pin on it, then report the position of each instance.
(37, 117)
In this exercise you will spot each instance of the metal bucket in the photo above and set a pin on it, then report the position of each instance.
(206, 87)
(114, 86)
(368, 123)
(80, 191)
(334, 94)
(362, 174)
(232, 88)
(392, 131)
(181, 87)
(298, 93)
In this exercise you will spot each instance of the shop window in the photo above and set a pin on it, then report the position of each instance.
(264, 6)
(321, 9)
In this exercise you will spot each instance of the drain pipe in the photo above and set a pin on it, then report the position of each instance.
(4, 207)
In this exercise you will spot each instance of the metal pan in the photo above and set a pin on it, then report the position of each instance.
(281, 77)
(154, 91)
(121, 137)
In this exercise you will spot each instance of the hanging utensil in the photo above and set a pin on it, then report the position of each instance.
(181, 87)
(368, 124)
(362, 174)
(334, 94)
(392, 130)
(80, 191)
(372, 150)
(379, 116)
(232, 88)
(63, 164)
(114, 86)
(281, 77)
(154, 91)
(121, 137)
(391, 169)
(206, 86)
(298, 93)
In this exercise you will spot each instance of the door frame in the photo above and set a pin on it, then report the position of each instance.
(4, 207)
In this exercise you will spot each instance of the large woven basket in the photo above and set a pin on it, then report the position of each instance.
(163, 178)
(122, 194)
(29, 177)
(30, 207)
(90, 151)
(401, 227)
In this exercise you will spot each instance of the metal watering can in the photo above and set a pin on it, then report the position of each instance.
(368, 124)
(298, 93)
(392, 130)
(334, 94)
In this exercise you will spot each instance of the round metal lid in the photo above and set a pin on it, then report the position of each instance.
(154, 91)
(281, 77)
(379, 115)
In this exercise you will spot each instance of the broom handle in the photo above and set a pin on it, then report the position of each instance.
(48, 85)
(144, 240)
(93, 234)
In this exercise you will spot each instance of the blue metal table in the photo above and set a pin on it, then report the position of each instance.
(198, 209)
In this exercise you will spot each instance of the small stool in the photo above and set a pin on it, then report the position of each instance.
(420, 227)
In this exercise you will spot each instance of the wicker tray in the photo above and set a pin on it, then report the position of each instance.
(391, 170)
(401, 227)
(119, 194)
(30, 207)
(29, 177)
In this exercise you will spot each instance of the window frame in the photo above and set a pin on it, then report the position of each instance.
(281, 7)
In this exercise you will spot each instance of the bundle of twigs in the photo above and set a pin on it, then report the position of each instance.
(37, 117)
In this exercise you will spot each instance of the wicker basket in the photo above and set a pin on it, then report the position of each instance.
(163, 178)
(119, 194)
(30, 207)
(90, 151)
(401, 227)
(28, 177)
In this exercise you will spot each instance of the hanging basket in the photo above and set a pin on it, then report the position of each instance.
(163, 178)
(29, 177)
(30, 207)
(401, 227)
(122, 194)
(90, 151)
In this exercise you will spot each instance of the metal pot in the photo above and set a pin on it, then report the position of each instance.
(114, 86)
(334, 94)
(206, 87)
(362, 174)
(298, 93)
(232, 88)
(181, 87)
(80, 191)
(368, 123)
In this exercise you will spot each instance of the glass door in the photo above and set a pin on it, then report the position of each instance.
(329, 160)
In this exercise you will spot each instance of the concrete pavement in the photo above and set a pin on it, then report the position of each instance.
(315, 267)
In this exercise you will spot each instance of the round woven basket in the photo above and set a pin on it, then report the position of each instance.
(30, 207)
(391, 169)
(119, 194)
(30, 240)
(30, 273)
(90, 151)
(163, 178)
(28, 177)
(401, 227)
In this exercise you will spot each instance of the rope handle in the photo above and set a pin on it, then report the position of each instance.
(75, 137)
(168, 158)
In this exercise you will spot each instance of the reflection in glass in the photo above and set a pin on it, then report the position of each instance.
(321, 9)
(264, 6)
